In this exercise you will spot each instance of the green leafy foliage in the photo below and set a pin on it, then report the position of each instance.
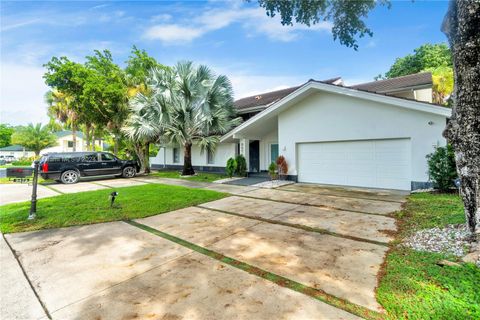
(34, 137)
(231, 167)
(441, 167)
(434, 58)
(272, 170)
(346, 16)
(241, 165)
(427, 56)
(6, 132)
(186, 105)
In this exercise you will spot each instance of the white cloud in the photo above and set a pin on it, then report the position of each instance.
(173, 33)
(21, 94)
(254, 21)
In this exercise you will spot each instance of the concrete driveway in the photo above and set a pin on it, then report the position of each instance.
(169, 266)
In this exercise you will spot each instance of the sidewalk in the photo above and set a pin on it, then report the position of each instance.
(17, 300)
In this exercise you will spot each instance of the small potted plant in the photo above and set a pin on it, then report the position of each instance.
(282, 167)
(272, 171)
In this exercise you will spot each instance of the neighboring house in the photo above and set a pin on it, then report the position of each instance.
(64, 144)
(17, 151)
(370, 135)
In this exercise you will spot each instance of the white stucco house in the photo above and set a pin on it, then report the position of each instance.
(64, 144)
(16, 151)
(373, 135)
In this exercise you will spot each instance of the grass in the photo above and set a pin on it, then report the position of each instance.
(413, 285)
(199, 176)
(94, 206)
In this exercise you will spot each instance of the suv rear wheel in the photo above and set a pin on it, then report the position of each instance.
(70, 176)
(129, 172)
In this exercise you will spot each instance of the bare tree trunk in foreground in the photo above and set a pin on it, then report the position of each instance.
(462, 27)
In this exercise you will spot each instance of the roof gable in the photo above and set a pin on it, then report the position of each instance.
(312, 86)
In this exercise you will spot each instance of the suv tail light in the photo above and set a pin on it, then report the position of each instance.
(45, 167)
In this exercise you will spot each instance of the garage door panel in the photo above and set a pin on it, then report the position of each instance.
(372, 163)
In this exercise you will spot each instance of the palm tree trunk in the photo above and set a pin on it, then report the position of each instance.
(74, 137)
(463, 129)
(147, 157)
(187, 160)
(115, 145)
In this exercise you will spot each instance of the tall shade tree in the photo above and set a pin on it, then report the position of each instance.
(425, 57)
(73, 79)
(34, 137)
(188, 105)
(6, 132)
(107, 92)
(434, 58)
(61, 108)
(461, 28)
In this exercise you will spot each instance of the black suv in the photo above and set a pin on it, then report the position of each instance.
(68, 167)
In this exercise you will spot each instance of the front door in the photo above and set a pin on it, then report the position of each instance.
(254, 151)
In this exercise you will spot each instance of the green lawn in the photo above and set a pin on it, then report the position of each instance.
(414, 286)
(200, 176)
(94, 206)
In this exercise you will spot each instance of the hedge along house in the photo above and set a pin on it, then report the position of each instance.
(373, 135)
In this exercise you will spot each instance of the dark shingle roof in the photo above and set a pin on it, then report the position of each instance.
(67, 133)
(383, 87)
(395, 84)
(264, 99)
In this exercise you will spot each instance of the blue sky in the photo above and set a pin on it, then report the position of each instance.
(235, 38)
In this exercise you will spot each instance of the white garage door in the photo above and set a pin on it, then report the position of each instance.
(366, 163)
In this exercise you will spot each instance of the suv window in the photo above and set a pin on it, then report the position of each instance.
(107, 157)
(91, 157)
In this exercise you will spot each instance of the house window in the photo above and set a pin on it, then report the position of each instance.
(70, 144)
(273, 152)
(210, 157)
(176, 155)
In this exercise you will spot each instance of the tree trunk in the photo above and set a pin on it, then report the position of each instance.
(74, 138)
(87, 135)
(461, 25)
(147, 157)
(187, 160)
(140, 152)
(115, 145)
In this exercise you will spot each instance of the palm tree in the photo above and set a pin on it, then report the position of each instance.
(60, 107)
(187, 105)
(34, 137)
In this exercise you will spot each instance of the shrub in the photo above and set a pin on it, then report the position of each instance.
(23, 161)
(441, 167)
(282, 165)
(272, 170)
(231, 167)
(241, 165)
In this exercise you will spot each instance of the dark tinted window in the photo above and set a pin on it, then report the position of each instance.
(176, 155)
(107, 157)
(91, 157)
(65, 158)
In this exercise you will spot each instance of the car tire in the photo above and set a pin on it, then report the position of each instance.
(129, 172)
(70, 177)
